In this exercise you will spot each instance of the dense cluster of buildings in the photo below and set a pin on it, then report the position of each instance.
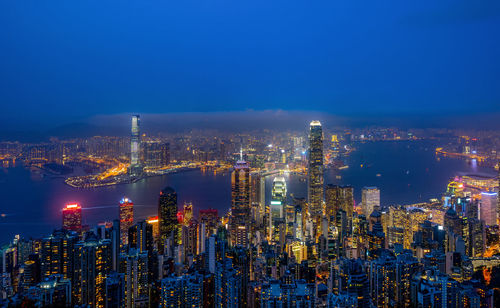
(319, 251)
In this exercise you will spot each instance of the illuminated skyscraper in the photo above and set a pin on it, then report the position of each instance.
(135, 144)
(488, 211)
(315, 172)
(258, 195)
(187, 213)
(57, 254)
(339, 198)
(278, 197)
(126, 219)
(210, 218)
(72, 217)
(155, 154)
(92, 263)
(167, 215)
(370, 199)
(153, 221)
(140, 237)
(240, 203)
(136, 269)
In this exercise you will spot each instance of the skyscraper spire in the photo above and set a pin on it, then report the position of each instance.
(241, 153)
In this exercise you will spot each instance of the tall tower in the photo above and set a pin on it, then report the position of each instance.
(72, 217)
(278, 197)
(167, 216)
(488, 210)
(126, 219)
(315, 172)
(135, 144)
(370, 199)
(92, 263)
(240, 203)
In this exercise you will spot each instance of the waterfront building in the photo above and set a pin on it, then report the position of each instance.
(315, 172)
(126, 214)
(135, 146)
(155, 154)
(167, 216)
(370, 200)
(72, 217)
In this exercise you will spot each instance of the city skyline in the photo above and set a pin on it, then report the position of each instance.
(288, 233)
(260, 154)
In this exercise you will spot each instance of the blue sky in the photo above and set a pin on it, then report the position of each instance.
(68, 61)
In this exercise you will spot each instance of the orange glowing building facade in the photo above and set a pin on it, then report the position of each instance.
(72, 217)
(126, 219)
(153, 221)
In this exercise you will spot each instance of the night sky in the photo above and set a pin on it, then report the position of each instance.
(64, 61)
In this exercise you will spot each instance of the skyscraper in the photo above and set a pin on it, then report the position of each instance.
(153, 221)
(339, 198)
(488, 211)
(135, 144)
(370, 199)
(315, 172)
(258, 195)
(140, 237)
(92, 263)
(278, 197)
(126, 218)
(57, 254)
(240, 203)
(187, 213)
(210, 218)
(167, 215)
(72, 217)
(135, 266)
